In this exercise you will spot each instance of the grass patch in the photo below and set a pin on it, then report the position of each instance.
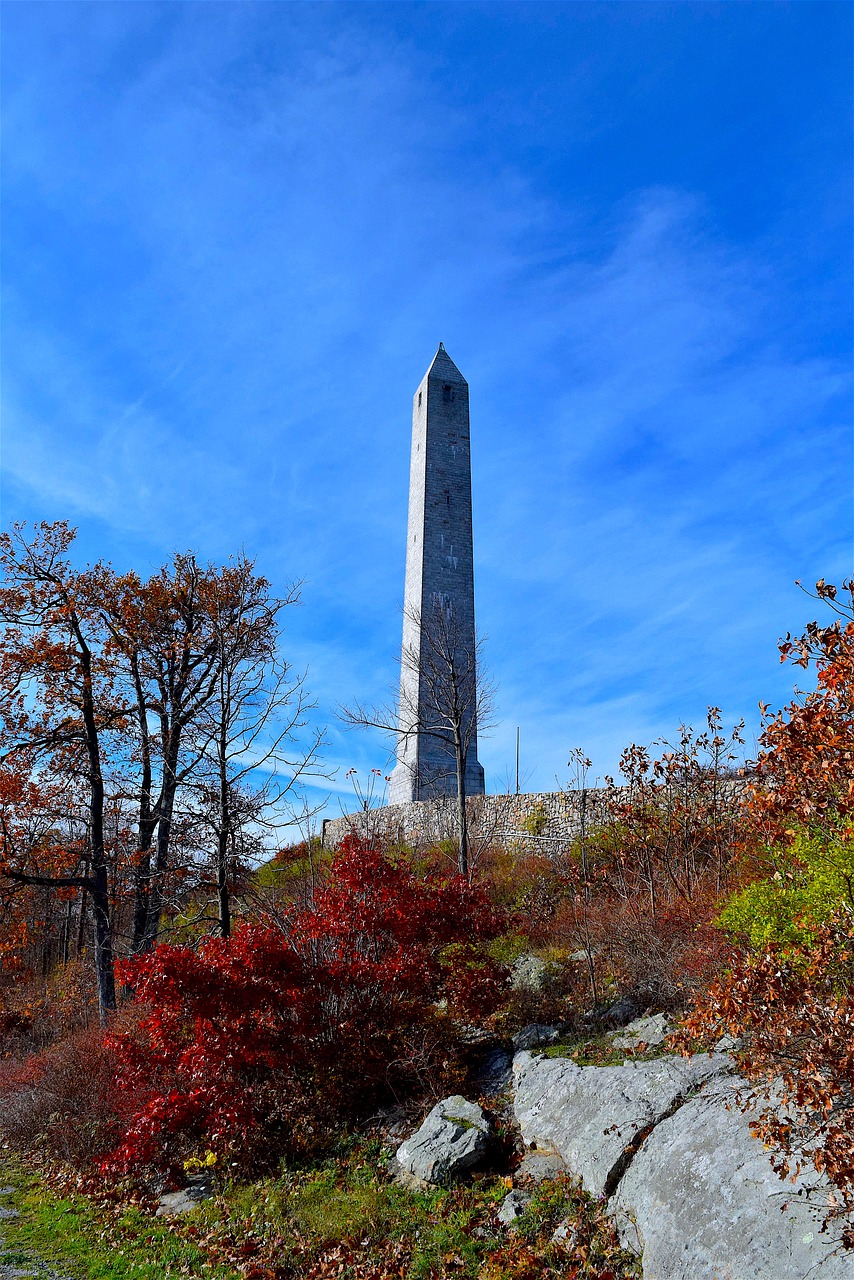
(78, 1237)
(599, 1051)
(347, 1213)
(342, 1219)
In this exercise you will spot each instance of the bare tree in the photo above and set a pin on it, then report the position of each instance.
(247, 733)
(444, 697)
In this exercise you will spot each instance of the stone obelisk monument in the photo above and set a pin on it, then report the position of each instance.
(439, 581)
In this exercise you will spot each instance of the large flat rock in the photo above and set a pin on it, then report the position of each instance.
(691, 1188)
(702, 1202)
(590, 1115)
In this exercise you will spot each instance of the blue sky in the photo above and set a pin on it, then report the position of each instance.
(234, 235)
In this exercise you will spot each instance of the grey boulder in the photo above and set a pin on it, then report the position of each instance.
(651, 1031)
(690, 1187)
(453, 1137)
(529, 973)
(513, 1206)
(619, 1013)
(495, 1073)
(538, 1166)
(175, 1203)
(701, 1200)
(593, 1116)
(534, 1036)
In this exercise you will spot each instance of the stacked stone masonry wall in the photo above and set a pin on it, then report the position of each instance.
(544, 821)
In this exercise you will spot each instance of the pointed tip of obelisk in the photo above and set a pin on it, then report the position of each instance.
(442, 366)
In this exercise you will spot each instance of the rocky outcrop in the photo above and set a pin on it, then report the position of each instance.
(595, 1117)
(692, 1190)
(454, 1136)
(539, 1166)
(650, 1031)
(535, 1035)
(495, 1073)
(701, 1199)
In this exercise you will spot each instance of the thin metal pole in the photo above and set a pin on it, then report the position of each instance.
(517, 759)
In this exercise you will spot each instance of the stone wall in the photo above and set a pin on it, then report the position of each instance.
(546, 821)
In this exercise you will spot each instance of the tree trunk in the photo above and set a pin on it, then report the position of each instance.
(222, 885)
(224, 827)
(100, 891)
(66, 934)
(81, 923)
(157, 879)
(141, 894)
(104, 967)
(462, 817)
(147, 820)
(157, 876)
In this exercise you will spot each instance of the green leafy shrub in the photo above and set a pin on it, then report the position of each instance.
(812, 878)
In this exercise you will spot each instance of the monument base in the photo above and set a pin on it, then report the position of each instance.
(407, 785)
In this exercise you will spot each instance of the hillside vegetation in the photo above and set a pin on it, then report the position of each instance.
(181, 999)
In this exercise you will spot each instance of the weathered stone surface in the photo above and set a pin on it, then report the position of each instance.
(454, 1136)
(651, 1031)
(691, 1188)
(499, 819)
(537, 1166)
(702, 1201)
(513, 1206)
(8, 1213)
(621, 1012)
(590, 1115)
(174, 1203)
(529, 973)
(535, 1035)
(565, 1233)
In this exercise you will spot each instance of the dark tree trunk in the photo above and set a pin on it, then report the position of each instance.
(224, 826)
(147, 819)
(141, 893)
(66, 934)
(462, 817)
(81, 923)
(104, 967)
(100, 891)
(222, 885)
(157, 879)
(157, 875)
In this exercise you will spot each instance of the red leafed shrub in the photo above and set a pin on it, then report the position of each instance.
(67, 1100)
(250, 1035)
